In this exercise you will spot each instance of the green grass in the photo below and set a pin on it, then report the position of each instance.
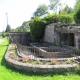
(28, 30)
(9, 73)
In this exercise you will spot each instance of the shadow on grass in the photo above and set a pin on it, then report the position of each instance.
(4, 45)
(29, 73)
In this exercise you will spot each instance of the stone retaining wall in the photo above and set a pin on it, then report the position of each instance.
(22, 37)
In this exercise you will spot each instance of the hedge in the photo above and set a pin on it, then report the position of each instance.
(37, 27)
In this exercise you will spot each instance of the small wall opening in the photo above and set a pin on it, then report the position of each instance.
(67, 39)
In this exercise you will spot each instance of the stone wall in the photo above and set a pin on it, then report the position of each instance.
(22, 37)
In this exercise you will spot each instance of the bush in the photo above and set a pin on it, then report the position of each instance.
(58, 18)
(77, 16)
(51, 18)
(65, 19)
(5, 34)
(37, 27)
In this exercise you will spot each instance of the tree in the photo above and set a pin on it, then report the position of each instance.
(77, 11)
(18, 29)
(77, 6)
(54, 4)
(77, 17)
(66, 10)
(23, 28)
(8, 28)
(42, 9)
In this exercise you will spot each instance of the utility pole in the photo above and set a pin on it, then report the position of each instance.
(7, 18)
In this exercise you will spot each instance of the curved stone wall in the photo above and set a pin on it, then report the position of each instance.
(37, 67)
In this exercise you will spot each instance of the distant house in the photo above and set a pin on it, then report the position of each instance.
(27, 25)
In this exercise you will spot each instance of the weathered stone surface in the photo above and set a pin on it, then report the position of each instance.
(54, 31)
(49, 33)
(22, 37)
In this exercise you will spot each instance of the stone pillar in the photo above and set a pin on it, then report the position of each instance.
(49, 34)
(57, 37)
(76, 40)
(79, 40)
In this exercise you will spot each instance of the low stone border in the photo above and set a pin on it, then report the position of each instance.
(37, 67)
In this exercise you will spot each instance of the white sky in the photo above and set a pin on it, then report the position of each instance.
(21, 10)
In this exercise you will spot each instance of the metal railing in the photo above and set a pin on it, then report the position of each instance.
(48, 52)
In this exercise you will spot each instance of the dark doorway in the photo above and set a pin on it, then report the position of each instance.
(67, 39)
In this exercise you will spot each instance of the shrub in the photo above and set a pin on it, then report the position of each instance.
(5, 34)
(66, 18)
(58, 18)
(37, 27)
(51, 18)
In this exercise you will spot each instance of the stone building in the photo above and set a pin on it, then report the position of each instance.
(63, 34)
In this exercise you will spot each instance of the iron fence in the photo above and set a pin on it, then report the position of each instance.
(49, 52)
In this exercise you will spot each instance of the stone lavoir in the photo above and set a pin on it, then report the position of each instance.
(63, 34)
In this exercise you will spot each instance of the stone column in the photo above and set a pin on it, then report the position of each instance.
(76, 40)
(49, 34)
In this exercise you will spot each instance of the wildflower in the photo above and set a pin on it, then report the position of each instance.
(54, 61)
(44, 62)
(25, 59)
(20, 59)
(11, 55)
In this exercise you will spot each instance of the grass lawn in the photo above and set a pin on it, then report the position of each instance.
(8, 73)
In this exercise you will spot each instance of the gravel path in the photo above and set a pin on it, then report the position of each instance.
(1, 40)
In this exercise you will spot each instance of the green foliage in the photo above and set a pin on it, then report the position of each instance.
(37, 27)
(66, 10)
(66, 18)
(77, 11)
(77, 6)
(5, 34)
(18, 29)
(54, 4)
(41, 10)
(77, 16)
(0, 33)
(23, 28)
(51, 19)
(8, 28)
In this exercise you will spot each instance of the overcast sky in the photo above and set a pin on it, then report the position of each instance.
(21, 10)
